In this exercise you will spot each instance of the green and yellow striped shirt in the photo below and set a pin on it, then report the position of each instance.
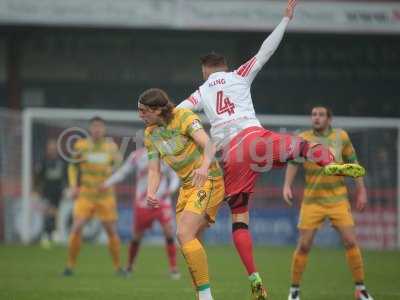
(320, 188)
(174, 144)
(95, 162)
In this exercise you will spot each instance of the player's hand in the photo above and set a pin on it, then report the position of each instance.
(74, 192)
(102, 188)
(361, 199)
(152, 201)
(200, 176)
(287, 195)
(290, 8)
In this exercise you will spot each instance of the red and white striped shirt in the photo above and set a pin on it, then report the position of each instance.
(138, 161)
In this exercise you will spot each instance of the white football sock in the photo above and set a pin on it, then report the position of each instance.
(294, 289)
(205, 294)
(360, 287)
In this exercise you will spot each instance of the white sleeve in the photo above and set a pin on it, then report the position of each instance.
(193, 102)
(250, 69)
(174, 181)
(123, 171)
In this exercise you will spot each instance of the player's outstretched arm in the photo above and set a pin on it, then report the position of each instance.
(122, 172)
(193, 102)
(174, 181)
(73, 179)
(289, 11)
(361, 194)
(202, 139)
(153, 182)
(250, 69)
(116, 157)
(290, 174)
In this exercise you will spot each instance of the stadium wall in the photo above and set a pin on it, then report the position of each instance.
(356, 75)
(314, 16)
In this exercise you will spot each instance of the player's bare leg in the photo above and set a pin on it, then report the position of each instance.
(243, 242)
(286, 148)
(74, 244)
(133, 249)
(189, 224)
(299, 261)
(354, 261)
(114, 245)
(171, 250)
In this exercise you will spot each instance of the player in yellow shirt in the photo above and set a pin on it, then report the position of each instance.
(176, 136)
(325, 197)
(94, 160)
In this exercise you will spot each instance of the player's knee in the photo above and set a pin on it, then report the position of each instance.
(168, 231)
(77, 228)
(240, 218)
(182, 237)
(304, 246)
(111, 231)
(169, 240)
(169, 235)
(349, 242)
(184, 234)
(137, 237)
(238, 203)
(135, 242)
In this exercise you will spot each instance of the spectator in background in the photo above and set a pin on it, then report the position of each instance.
(50, 183)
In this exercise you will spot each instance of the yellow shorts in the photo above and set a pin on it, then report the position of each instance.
(313, 215)
(205, 200)
(105, 209)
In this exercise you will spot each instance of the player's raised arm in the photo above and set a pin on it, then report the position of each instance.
(174, 181)
(193, 102)
(153, 182)
(73, 171)
(201, 138)
(119, 175)
(291, 171)
(250, 69)
(116, 156)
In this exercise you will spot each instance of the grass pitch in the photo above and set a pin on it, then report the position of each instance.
(32, 273)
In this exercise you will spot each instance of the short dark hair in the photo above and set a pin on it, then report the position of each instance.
(97, 119)
(158, 98)
(328, 110)
(213, 60)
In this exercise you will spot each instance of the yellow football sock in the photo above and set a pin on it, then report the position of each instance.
(114, 245)
(299, 262)
(74, 246)
(196, 259)
(355, 262)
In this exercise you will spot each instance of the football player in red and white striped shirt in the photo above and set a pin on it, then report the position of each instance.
(247, 147)
(144, 216)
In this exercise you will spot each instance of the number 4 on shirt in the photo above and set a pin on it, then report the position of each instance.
(224, 105)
